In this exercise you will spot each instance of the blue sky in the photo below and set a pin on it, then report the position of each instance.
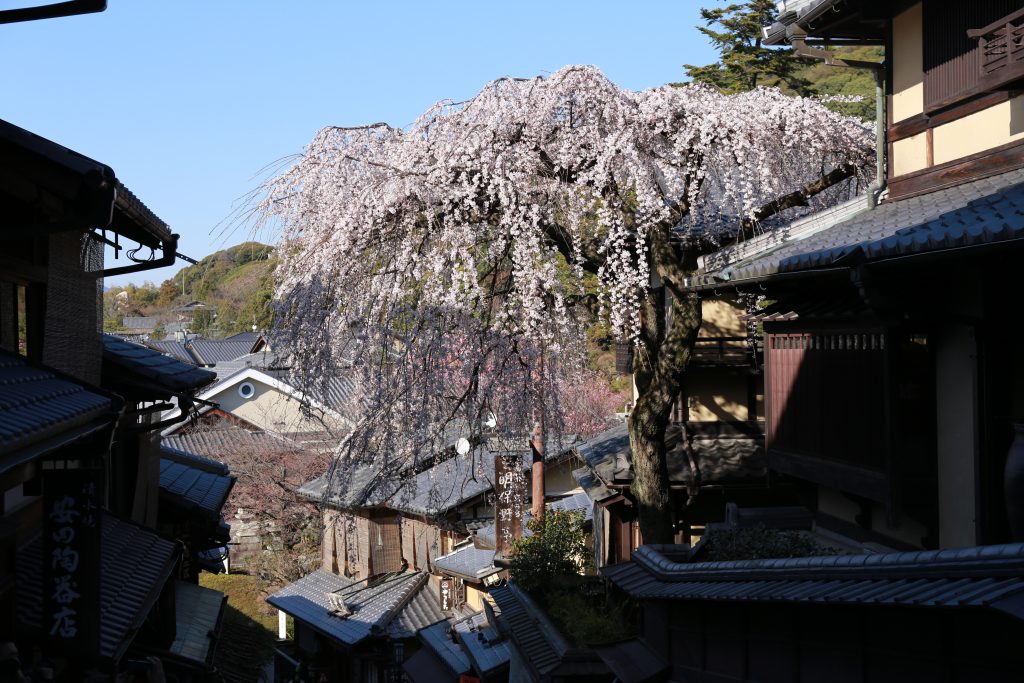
(188, 100)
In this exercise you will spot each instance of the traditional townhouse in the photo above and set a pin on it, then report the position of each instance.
(89, 581)
(893, 385)
(435, 530)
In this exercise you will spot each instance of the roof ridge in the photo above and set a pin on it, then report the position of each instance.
(414, 587)
(1005, 559)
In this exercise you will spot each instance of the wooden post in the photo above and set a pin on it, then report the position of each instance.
(537, 446)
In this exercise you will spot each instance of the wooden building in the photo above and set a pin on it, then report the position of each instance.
(892, 381)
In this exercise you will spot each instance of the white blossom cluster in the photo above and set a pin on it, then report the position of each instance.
(455, 249)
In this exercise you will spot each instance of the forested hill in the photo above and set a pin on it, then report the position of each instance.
(235, 283)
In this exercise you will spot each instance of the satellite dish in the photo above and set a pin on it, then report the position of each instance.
(491, 420)
(462, 446)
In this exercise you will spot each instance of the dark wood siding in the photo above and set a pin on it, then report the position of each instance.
(826, 395)
(951, 59)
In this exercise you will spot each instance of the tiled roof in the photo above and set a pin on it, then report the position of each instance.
(723, 452)
(248, 337)
(608, 454)
(453, 655)
(447, 484)
(192, 487)
(125, 362)
(197, 615)
(985, 211)
(577, 502)
(374, 603)
(174, 349)
(135, 564)
(985, 576)
(468, 562)
(363, 485)
(591, 484)
(424, 666)
(531, 638)
(487, 648)
(633, 661)
(422, 610)
(212, 351)
(193, 460)
(459, 479)
(139, 323)
(37, 404)
(226, 440)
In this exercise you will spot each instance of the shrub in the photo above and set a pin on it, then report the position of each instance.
(758, 543)
(556, 550)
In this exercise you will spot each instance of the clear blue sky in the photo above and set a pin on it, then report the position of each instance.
(188, 100)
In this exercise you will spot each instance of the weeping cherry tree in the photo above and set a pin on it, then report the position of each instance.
(466, 253)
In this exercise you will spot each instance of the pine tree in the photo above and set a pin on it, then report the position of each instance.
(744, 63)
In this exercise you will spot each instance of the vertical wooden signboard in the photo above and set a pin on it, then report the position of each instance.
(71, 556)
(509, 501)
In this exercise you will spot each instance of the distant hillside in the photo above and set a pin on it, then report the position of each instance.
(236, 283)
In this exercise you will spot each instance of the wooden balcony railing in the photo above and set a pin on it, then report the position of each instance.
(1001, 46)
(727, 351)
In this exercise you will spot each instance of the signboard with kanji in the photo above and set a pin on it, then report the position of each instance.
(509, 501)
(71, 555)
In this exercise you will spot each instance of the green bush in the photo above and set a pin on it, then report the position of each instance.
(758, 543)
(556, 550)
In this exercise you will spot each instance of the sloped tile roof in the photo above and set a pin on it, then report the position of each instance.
(226, 440)
(212, 351)
(448, 651)
(374, 602)
(526, 632)
(469, 562)
(174, 349)
(724, 452)
(193, 488)
(139, 323)
(985, 211)
(197, 615)
(193, 460)
(487, 648)
(984, 576)
(422, 610)
(135, 564)
(123, 360)
(37, 404)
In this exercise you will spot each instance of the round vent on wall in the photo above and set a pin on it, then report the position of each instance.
(246, 390)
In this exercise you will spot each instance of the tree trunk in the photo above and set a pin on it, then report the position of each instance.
(667, 340)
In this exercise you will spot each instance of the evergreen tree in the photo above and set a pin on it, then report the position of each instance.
(744, 63)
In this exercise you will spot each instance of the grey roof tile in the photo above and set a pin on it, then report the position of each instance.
(487, 648)
(139, 322)
(174, 349)
(439, 638)
(527, 634)
(197, 615)
(213, 351)
(193, 460)
(135, 564)
(37, 403)
(194, 488)
(123, 360)
(374, 602)
(226, 440)
(421, 611)
(984, 576)
(984, 211)
(468, 562)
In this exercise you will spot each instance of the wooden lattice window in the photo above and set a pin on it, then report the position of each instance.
(952, 60)
(826, 395)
